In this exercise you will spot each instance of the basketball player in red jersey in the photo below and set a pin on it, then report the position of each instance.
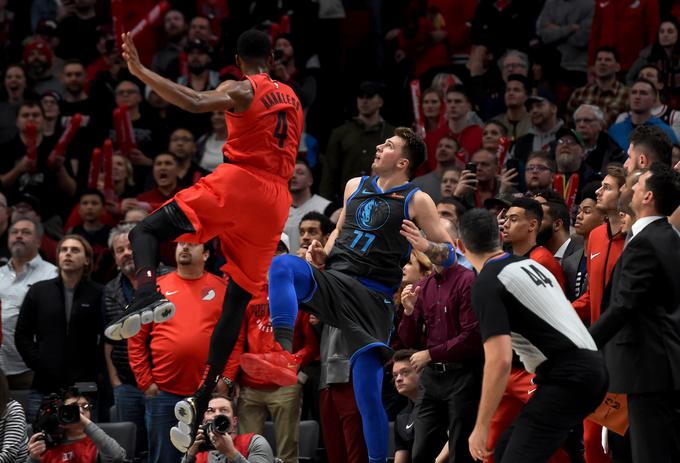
(244, 202)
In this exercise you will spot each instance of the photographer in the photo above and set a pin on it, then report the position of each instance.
(82, 441)
(237, 448)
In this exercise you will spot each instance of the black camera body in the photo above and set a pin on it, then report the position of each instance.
(221, 424)
(51, 415)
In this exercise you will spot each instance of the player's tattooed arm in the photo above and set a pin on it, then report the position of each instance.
(439, 253)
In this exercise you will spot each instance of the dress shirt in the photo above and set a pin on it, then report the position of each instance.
(13, 288)
(444, 307)
(640, 224)
(559, 255)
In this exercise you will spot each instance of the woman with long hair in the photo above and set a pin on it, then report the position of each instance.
(664, 54)
(13, 442)
(418, 267)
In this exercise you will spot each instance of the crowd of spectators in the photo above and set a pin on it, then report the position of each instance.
(526, 108)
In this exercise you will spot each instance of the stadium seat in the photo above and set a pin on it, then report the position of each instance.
(124, 432)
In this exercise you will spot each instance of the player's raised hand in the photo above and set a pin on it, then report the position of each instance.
(316, 255)
(408, 298)
(411, 232)
(131, 56)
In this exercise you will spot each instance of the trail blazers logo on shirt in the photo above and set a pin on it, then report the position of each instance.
(208, 294)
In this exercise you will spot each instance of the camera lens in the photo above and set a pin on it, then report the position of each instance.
(221, 424)
(69, 414)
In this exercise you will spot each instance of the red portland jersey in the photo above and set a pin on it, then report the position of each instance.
(267, 135)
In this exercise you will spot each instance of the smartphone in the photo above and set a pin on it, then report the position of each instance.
(472, 167)
(511, 164)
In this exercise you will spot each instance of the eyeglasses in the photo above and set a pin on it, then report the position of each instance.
(537, 168)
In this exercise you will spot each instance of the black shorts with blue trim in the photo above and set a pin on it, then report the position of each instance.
(364, 316)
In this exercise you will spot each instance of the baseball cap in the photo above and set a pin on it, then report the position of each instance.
(565, 131)
(503, 200)
(30, 200)
(537, 99)
(198, 44)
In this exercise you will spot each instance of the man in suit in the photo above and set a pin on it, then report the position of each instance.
(640, 328)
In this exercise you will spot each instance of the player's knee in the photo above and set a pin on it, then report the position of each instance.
(280, 270)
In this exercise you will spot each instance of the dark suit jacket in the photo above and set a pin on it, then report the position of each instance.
(570, 264)
(61, 354)
(640, 327)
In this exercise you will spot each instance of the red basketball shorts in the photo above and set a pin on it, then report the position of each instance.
(246, 210)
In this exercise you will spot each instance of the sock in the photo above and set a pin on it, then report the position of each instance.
(367, 376)
(146, 280)
(290, 280)
(167, 223)
(284, 336)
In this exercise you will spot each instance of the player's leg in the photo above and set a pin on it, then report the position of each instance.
(166, 224)
(222, 341)
(367, 376)
(290, 281)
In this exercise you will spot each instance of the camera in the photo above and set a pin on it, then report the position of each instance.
(218, 425)
(51, 415)
(278, 54)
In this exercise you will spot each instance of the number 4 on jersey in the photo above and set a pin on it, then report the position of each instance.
(281, 129)
(539, 278)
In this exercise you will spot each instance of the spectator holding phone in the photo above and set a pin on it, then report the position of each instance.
(479, 181)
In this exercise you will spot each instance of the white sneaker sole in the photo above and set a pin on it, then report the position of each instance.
(185, 412)
(129, 326)
(180, 438)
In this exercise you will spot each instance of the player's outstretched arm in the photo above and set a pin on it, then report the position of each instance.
(436, 243)
(229, 95)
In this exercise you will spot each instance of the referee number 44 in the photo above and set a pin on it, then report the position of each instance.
(537, 276)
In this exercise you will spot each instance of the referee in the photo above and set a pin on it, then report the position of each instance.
(521, 306)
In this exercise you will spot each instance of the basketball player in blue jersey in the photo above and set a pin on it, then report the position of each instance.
(349, 284)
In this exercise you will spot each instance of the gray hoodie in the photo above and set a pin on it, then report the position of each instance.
(573, 45)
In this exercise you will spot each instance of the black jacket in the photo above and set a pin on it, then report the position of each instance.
(61, 355)
(114, 305)
(606, 150)
(640, 323)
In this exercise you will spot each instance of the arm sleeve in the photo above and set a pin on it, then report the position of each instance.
(487, 300)
(467, 343)
(638, 268)
(231, 369)
(14, 444)
(259, 451)
(109, 450)
(23, 335)
(580, 37)
(139, 354)
(408, 329)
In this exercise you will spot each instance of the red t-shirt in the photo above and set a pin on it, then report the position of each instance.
(81, 451)
(469, 139)
(267, 135)
(173, 354)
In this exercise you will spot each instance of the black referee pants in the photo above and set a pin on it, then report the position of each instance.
(568, 389)
(448, 403)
